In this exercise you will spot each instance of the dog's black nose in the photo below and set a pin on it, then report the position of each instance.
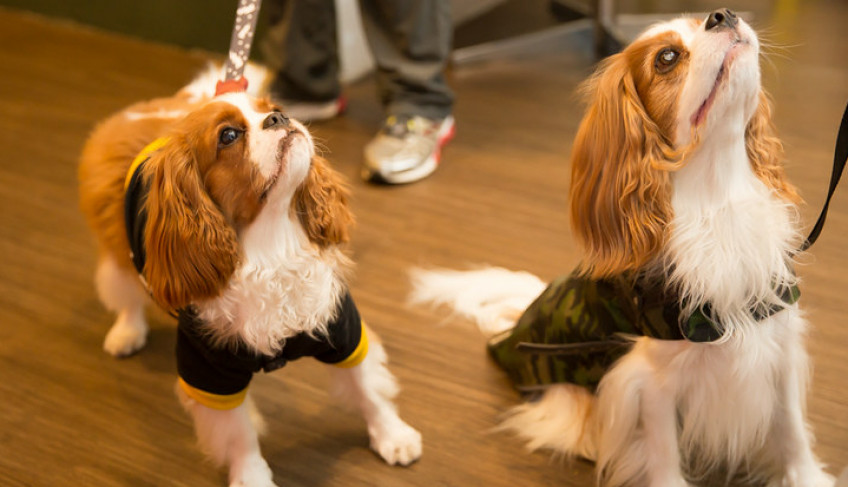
(723, 17)
(275, 120)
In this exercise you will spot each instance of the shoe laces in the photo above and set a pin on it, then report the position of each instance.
(401, 125)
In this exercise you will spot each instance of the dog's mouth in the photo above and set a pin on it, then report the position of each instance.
(282, 150)
(701, 114)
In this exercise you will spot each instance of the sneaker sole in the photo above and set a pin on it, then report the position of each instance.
(446, 133)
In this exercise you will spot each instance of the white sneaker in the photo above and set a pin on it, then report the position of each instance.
(407, 149)
(305, 111)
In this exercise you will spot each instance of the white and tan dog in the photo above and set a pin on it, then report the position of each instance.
(677, 179)
(235, 224)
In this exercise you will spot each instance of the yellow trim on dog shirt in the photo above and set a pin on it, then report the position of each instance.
(143, 156)
(220, 402)
(359, 353)
(135, 215)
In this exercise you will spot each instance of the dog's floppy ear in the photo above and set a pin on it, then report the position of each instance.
(321, 204)
(191, 249)
(620, 195)
(765, 151)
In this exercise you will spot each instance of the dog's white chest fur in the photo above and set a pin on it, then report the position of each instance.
(283, 287)
(730, 245)
(731, 238)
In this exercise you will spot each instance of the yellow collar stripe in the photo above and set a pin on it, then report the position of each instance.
(143, 156)
(358, 355)
(214, 401)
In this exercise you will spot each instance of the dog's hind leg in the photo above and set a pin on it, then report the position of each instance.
(372, 388)
(121, 291)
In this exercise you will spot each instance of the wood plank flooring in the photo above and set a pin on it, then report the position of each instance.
(71, 415)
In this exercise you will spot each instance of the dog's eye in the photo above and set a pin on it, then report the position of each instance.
(228, 136)
(666, 59)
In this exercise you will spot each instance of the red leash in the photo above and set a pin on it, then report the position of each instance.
(242, 39)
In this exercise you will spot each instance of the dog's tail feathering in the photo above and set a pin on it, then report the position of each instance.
(494, 298)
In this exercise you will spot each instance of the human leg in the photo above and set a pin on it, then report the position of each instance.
(411, 42)
(302, 45)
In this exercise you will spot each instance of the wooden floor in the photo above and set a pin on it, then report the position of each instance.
(71, 415)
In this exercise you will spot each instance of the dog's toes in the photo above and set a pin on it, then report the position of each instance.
(124, 339)
(399, 444)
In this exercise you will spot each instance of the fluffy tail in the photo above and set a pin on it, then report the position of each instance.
(492, 297)
(560, 421)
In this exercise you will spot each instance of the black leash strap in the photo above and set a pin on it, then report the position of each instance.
(839, 157)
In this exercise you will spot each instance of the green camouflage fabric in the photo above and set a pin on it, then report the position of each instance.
(574, 331)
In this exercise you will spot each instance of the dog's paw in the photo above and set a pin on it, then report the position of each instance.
(125, 338)
(398, 444)
(255, 472)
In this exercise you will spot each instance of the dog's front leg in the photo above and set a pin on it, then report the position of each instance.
(790, 444)
(637, 421)
(372, 388)
(662, 452)
(229, 437)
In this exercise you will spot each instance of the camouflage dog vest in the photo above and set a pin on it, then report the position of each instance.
(576, 329)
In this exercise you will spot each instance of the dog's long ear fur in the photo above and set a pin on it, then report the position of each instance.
(765, 151)
(620, 195)
(191, 249)
(321, 204)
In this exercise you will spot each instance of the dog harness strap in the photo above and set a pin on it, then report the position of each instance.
(840, 155)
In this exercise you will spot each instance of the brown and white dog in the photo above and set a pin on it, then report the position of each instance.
(243, 229)
(676, 175)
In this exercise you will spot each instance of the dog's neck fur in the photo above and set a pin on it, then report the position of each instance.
(730, 244)
(284, 285)
(732, 238)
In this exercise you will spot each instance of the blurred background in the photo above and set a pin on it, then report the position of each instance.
(72, 415)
